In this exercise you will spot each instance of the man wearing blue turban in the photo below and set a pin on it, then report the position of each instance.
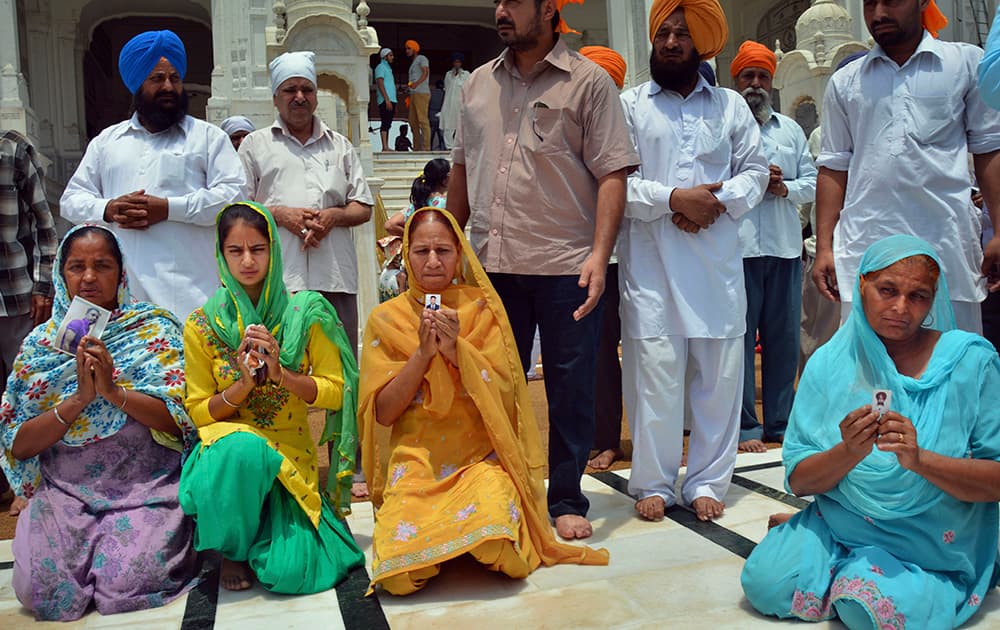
(159, 179)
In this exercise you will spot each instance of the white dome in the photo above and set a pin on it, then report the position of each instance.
(827, 19)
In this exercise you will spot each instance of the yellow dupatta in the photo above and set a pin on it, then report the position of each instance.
(490, 372)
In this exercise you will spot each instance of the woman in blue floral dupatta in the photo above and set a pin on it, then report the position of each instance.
(95, 441)
(903, 531)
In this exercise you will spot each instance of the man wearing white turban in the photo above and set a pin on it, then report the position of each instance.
(237, 128)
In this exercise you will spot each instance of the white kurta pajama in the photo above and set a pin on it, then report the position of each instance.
(453, 83)
(193, 164)
(683, 302)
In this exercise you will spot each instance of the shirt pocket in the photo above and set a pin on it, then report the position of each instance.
(552, 131)
(930, 117)
(711, 142)
(784, 158)
(172, 171)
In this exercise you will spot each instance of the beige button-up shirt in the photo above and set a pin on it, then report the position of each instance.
(323, 172)
(534, 148)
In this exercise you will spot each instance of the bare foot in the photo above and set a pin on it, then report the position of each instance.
(236, 576)
(17, 506)
(605, 458)
(571, 526)
(753, 446)
(707, 508)
(359, 489)
(651, 508)
(778, 519)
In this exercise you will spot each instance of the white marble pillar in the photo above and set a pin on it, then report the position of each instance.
(628, 34)
(15, 112)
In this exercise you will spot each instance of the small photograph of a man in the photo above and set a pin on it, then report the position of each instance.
(82, 319)
(432, 301)
(881, 401)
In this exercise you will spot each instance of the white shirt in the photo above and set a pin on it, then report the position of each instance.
(773, 228)
(674, 283)
(902, 134)
(192, 164)
(325, 172)
(453, 97)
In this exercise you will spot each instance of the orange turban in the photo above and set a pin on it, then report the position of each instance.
(753, 55)
(934, 20)
(563, 26)
(412, 43)
(705, 20)
(612, 62)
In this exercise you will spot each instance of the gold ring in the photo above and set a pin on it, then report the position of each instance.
(900, 437)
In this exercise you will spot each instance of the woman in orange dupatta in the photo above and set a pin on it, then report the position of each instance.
(463, 469)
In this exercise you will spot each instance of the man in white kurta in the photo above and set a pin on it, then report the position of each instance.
(453, 82)
(897, 127)
(314, 183)
(178, 178)
(683, 300)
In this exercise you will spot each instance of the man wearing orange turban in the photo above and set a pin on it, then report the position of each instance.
(420, 96)
(897, 127)
(771, 240)
(611, 61)
(683, 303)
(705, 20)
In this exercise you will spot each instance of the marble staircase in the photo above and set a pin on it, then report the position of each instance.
(398, 170)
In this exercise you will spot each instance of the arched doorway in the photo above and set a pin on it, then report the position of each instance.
(106, 99)
(779, 23)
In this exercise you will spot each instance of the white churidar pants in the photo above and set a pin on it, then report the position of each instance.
(666, 380)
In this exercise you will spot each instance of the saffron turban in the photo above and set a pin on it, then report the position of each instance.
(292, 64)
(611, 61)
(705, 19)
(141, 54)
(933, 19)
(237, 123)
(563, 27)
(412, 43)
(753, 55)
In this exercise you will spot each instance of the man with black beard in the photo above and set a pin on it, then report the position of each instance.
(771, 240)
(185, 171)
(898, 126)
(683, 305)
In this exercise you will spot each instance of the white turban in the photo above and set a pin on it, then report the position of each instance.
(237, 123)
(292, 64)
(384, 52)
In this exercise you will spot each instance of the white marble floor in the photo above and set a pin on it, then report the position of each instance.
(672, 574)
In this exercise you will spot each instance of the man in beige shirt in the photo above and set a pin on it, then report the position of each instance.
(540, 162)
(312, 180)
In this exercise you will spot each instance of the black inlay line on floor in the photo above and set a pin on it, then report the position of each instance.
(746, 469)
(357, 611)
(772, 493)
(203, 600)
(729, 540)
(6, 565)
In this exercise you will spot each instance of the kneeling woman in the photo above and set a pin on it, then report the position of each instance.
(94, 440)
(903, 531)
(256, 360)
(463, 473)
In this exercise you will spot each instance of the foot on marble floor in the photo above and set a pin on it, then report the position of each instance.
(752, 446)
(651, 508)
(236, 576)
(359, 489)
(572, 526)
(707, 508)
(604, 459)
(778, 519)
(17, 506)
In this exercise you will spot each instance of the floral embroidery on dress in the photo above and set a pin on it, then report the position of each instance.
(397, 473)
(877, 570)
(37, 389)
(868, 594)
(447, 470)
(515, 514)
(948, 537)
(869, 520)
(486, 376)
(809, 606)
(158, 345)
(375, 343)
(465, 513)
(974, 600)
(405, 531)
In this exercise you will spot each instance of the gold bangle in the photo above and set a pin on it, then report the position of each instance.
(124, 398)
(55, 410)
(223, 394)
(281, 379)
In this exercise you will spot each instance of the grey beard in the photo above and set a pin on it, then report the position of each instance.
(759, 102)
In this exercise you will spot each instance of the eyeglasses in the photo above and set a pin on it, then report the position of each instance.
(537, 105)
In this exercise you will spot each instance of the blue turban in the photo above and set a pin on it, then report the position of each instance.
(141, 54)
(705, 69)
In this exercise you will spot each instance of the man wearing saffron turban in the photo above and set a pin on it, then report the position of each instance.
(771, 240)
(897, 128)
(419, 85)
(683, 300)
(159, 179)
(540, 161)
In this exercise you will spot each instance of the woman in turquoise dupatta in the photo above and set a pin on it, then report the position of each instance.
(256, 361)
(904, 527)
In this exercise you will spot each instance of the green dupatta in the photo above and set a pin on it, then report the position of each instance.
(289, 319)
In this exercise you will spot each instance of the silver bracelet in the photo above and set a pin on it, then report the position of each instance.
(125, 399)
(55, 410)
(223, 394)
